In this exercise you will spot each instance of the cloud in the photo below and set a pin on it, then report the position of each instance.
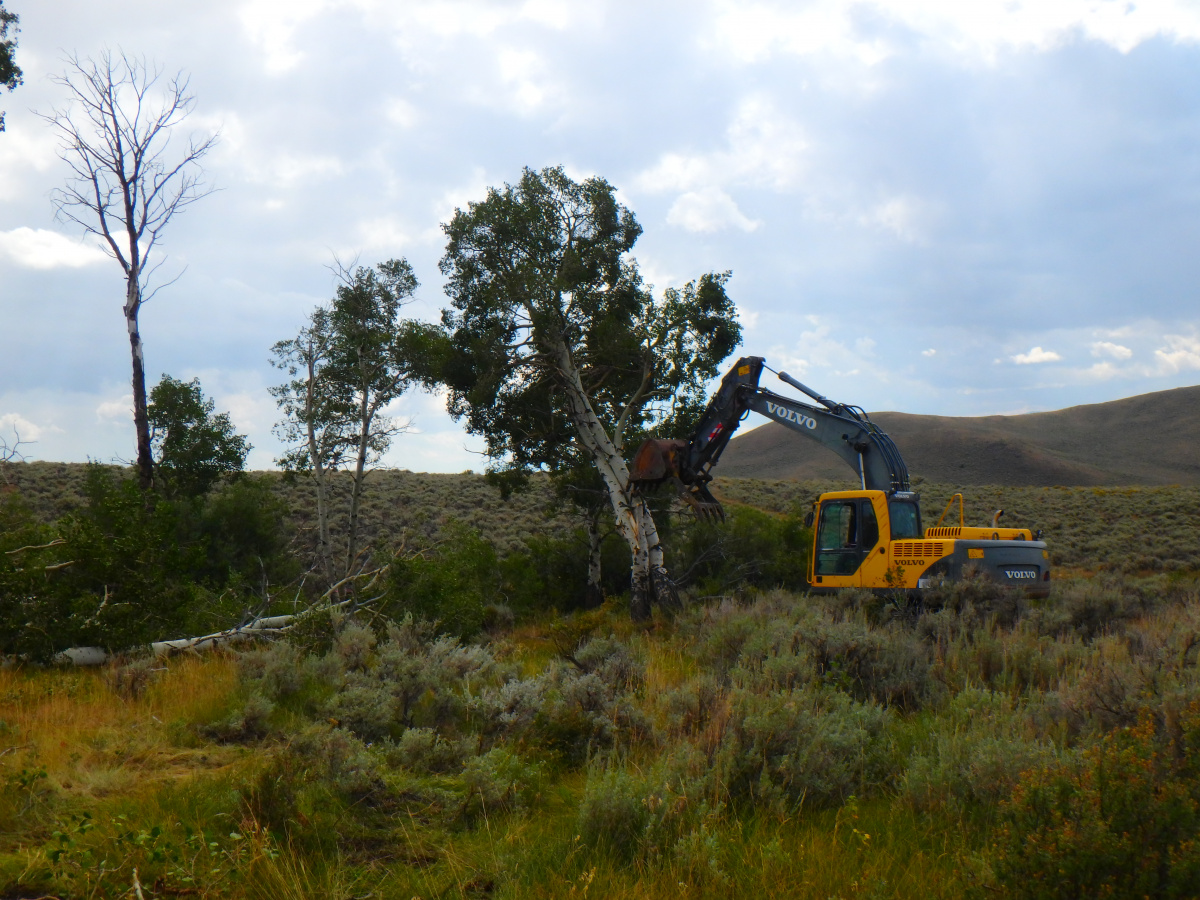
(271, 25)
(1182, 353)
(1108, 348)
(871, 31)
(1035, 356)
(708, 210)
(19, 428)
(116, 410)
(929, 352)
(899, 215)
(38, 248)
(764, 147)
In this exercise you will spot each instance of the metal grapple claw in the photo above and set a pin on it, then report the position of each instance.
(706, 507)
(657, 461)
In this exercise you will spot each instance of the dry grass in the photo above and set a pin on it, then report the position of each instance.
(92, 740)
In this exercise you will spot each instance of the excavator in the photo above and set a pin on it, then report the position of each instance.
(868, 538)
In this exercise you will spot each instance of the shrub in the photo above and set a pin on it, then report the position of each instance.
(1123, 821)
(750, 548)
(977, 749)
(793, 747)
(613, 813)
(452, 584)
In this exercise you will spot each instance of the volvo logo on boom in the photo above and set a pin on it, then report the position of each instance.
(782, 412)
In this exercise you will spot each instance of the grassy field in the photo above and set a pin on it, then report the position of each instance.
(791, 746)
(1130, 530)
(779, 744)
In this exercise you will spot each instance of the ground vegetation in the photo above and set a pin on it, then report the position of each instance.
(776, 743)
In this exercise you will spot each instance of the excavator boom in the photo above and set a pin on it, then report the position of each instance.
(846, 430)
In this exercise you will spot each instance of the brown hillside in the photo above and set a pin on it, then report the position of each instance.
(1148, 439)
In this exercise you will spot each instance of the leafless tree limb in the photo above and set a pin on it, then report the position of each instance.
(128, 179)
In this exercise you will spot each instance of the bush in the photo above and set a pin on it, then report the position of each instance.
(750, 548)
(1123, 821)
(795, 747)
(452, 584)
(978, 748)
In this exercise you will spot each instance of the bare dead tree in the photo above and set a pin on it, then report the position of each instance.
(10, 453)
(126, 185)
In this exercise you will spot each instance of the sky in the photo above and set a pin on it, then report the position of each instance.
(928, 206)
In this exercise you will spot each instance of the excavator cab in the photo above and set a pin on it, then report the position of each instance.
(847, 531)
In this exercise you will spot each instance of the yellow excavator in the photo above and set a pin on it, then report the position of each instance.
(869, 538)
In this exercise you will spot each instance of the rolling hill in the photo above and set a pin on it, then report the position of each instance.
(1148, 439)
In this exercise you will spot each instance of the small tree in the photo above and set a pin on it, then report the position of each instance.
(316, 416)
(348, 364)
(558, 355)
(125, 187)
(10, 72)
(193, 447)
(369, 365)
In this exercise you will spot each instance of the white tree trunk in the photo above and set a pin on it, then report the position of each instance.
(320, 474)
(649, 579)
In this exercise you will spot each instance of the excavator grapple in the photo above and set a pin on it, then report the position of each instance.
(658, 461)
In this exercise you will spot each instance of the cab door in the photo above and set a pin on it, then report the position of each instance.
(847, 531)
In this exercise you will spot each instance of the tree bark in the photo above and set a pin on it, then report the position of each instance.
(317, 456)
(141, 417)
(365, 415)
(594, 593)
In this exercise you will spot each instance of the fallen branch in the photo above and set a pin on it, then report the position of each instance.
(55, 543)
(257, 627)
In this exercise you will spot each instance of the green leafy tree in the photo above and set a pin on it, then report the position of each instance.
(347, 365)
(10, 72)
(558, 355)
(369, 366)
(193, 446)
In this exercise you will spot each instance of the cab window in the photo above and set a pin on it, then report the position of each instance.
(906, 519)
(847, 529)
(838, 528)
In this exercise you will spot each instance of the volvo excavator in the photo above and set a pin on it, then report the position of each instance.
(869, 538)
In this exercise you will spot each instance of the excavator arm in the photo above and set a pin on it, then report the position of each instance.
(846, 430)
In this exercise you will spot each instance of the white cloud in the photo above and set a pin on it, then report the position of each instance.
(1101, 371)
(14, 427)
(116, 410)
(1182, 353)
(748, 318)
(38, 248)
(271, 25)
(1108, 348)
(401, 112)
(763, 148)
(530, 82)
(900, 215)
(929, 352)
(1035, 356)
(975, 31)
(385, 233)
(707, 210)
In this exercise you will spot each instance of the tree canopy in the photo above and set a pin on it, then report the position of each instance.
(193, 447)
(347, 364)
(558, 354)
(10, 72)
